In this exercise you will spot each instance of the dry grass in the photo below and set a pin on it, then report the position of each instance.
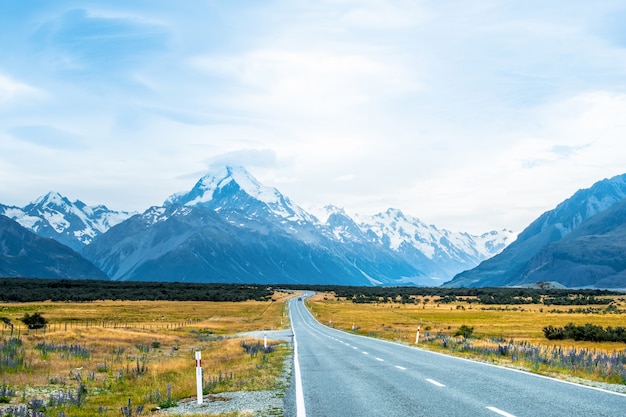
(400, 322)
(134, 350)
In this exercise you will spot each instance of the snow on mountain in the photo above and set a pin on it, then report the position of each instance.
(234, 227)
(214, 188)
(438, 253)
(72, 223)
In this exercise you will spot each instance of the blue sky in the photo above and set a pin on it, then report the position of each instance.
(472, 116)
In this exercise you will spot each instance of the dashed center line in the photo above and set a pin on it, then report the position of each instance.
(402, 368)
(355, 348)
(498, 411)
(365, 353)
(380, 360)
(432, 381)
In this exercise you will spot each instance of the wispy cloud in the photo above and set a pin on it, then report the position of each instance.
(48, 136)
(79, 42)
(11, 90)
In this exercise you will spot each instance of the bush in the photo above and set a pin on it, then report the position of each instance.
(588, 332)
(34, 321)
(464, 331)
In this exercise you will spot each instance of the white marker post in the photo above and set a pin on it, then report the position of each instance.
(199, 376)
(417, 336)
(265, 340)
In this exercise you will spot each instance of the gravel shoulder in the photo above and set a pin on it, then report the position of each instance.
(246, 403)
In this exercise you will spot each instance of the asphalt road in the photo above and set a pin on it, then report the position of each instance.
(340, 374)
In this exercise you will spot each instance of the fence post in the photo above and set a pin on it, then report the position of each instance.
(199, 376)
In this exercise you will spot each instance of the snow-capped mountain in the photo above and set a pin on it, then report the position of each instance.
(74, 224)
(438, 253)
(230, 227)
(219, 190)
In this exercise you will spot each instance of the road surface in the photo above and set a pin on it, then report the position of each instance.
(341, 374)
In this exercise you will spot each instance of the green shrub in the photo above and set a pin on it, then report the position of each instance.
(464, 331)
(34, 321)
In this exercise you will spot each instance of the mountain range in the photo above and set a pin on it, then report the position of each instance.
(74, 224)
(231, 228)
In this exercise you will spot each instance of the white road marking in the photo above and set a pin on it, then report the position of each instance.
(300, 411)
(380, 360)
(432, 381)
(365, 353)
(355, 348)
(498, 411)
(402, 368)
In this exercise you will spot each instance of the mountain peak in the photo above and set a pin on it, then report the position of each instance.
(205, 189)
(224, 185)
(51, 198)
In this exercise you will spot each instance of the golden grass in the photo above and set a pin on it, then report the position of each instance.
(136, 349)
(400, 322)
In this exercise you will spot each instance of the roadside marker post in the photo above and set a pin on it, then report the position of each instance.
(417, 336)
(265, 340)
(199, 376)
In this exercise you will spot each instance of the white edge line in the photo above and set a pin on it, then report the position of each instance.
(498, 411)
(300, 410)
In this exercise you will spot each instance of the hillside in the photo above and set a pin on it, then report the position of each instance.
(533, 256)
(25, 254)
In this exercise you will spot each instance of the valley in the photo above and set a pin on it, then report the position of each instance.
(95, 358)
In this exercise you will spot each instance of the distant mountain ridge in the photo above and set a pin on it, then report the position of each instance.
(72, 223)
(231, 228)
(570, 227)
(438, 253)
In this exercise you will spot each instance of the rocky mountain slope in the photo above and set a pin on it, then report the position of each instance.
(563, 244)
(25, 254)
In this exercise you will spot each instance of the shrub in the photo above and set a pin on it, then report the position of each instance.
(34, 321)
(464, 331)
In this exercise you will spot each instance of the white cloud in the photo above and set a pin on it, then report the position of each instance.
(11, 90)
(471, 116)
(382, 14)
(315, 82)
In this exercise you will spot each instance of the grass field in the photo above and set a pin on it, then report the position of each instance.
(96, 358)
(93, 358)
(504, 334)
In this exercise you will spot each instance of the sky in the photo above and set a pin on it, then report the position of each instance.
(469, 115)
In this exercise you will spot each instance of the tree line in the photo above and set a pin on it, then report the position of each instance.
(36, 289)
(33, 290)
(485, 295)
